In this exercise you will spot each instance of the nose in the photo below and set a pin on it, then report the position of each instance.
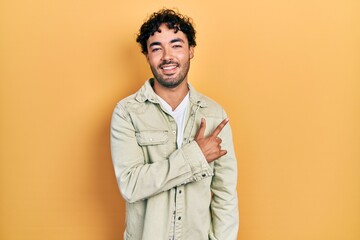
(167, 54)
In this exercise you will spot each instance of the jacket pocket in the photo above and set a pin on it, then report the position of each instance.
(146, 138)
(154, 144)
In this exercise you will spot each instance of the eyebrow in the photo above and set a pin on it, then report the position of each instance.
(177, 40)
(172, 41)
(154, 43)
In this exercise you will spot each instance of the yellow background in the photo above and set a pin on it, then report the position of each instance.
(286, 71)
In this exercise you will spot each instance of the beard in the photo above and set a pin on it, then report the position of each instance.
(171, 81)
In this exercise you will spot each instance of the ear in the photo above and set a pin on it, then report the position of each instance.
(147, 56)
(191, 49)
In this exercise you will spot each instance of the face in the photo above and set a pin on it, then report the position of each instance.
(169, 56)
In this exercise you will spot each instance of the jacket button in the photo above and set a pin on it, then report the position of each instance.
(179, 218)
(204, 175)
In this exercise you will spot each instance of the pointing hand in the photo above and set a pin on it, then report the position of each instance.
(210, 145)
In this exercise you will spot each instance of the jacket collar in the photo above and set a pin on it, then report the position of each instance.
(146, 93)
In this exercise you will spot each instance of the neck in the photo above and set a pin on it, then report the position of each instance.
(173, 96)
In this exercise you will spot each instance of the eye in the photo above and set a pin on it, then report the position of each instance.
(155, 49)
(177, 46)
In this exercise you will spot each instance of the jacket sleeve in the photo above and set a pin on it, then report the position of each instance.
(224, 204)
(139, 180)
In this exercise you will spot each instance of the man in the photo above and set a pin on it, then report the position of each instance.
(172, 147)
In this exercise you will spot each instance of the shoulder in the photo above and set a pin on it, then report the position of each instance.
(208, 106)
(127, 100)
(130, 105)
(211, 103)
(213, 108)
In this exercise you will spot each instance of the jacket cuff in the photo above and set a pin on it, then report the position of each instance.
(193, 155)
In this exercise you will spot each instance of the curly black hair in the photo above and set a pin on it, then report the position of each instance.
(173, 20)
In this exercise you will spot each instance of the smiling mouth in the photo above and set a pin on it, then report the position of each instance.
(169, 67)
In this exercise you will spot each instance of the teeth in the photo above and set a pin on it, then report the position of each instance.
(169, 67)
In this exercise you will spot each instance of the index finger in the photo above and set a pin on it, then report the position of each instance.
(220, 127)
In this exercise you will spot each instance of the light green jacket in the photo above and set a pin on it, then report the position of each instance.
(173, 193)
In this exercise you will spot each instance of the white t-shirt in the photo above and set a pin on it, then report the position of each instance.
(179, 115)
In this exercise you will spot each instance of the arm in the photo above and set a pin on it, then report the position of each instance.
(139, 180)
(224, 204)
